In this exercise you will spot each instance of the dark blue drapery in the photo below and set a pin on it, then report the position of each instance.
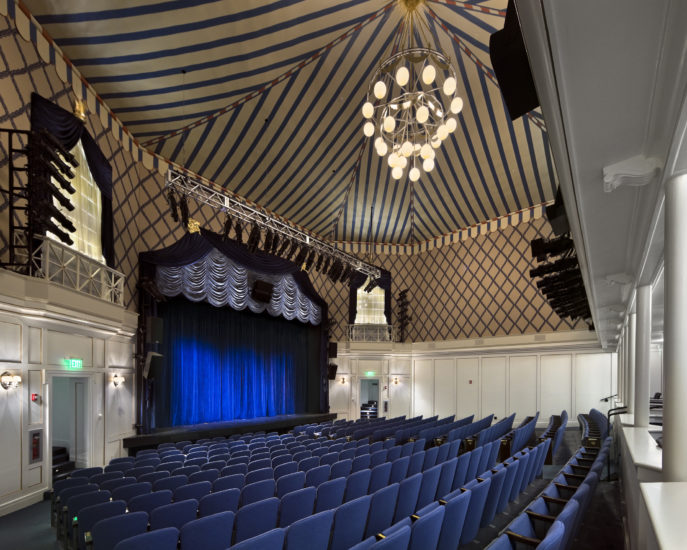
(68, 130)
(220, 364)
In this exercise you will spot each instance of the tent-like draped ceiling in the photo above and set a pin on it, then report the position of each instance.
(264, 98)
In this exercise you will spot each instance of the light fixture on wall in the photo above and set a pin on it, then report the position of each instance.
(9, 381)
(343, 380)
(396, 380)
(411, 103)
(117, 380)
(80, 109)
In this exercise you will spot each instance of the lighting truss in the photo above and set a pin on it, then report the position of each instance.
(220, 200)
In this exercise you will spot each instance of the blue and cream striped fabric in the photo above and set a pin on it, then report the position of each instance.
(264, 99)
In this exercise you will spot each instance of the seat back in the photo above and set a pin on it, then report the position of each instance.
(475, 457)
(311, 532)
(162, 539)
(108, 532)
(382, 507)
(330, 494)
(409, 490)
(208, 533)
(428, 487)
(430, 458)
(297, 505)
(341, 468)
(170, 483)
(379, 477)
(257, 491)
(192, 490)
(175, 514)
(455, 511)
(349, 523)
(316, 476)
(357, 484)
(448, 472)
(256, 518)
(127, 492)
(426, 530)
(290, 482)
(220, 501)
(480, 491)
(90, 515)
(149, 501)
(491, 504)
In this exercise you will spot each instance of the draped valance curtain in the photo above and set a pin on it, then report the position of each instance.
(357, 281)
(69, 130)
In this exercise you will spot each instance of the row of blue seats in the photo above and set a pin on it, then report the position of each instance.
(555, 430)
(442, 430)
(552, 520)
(494, 432)
(463, 432)
(521, 435)
(367, 515)
(594, 427)
(407, 432)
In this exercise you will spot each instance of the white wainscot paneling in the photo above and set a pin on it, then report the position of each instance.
(99, 353)
(522, 386)
(555, 385)
(340, 395)
(592, 381)
(401, 366)
(10, 450)
(98, 425)
(119, 412)
(10, 342)
(656, 371)
(118, 354)
(399, 396)
(424, 387)
(444, 387)
(375, 367)
(61, 346)
(494, 386)
(34, 476)
(35, 345)
(467, 387)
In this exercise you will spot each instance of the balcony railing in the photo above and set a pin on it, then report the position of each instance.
(62, 265)
(371, 333)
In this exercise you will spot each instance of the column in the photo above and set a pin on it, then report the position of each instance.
(621, 369)
(675, 332)
(642, 355)
(630, 383)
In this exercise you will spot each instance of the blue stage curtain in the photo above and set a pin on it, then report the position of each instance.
(220, 364)
(68, 130)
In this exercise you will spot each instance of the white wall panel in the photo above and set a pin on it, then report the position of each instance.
(592, 381)
(118, 354)
(656, 371)
(401, 366)
(99, 353)
(493, 386)
(35, 345)
(98, 419)
(376, 367)
(10, 342)
(555, 385)
(60, 346)
(35, 384)
(522, 386)
(444, 387)
(399, 396)
(467, 387)
(423, 394)
(11, 448)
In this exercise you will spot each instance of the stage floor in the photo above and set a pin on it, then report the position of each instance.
(193, 432)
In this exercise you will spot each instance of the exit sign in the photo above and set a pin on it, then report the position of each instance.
(73, 363)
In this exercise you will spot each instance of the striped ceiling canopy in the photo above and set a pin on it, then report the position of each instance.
(264, 98)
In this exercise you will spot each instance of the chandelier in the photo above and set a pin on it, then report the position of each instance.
(411, 102)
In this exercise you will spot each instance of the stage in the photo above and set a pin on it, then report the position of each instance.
(281, 423)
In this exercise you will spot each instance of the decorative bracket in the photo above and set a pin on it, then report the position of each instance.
(633, 172)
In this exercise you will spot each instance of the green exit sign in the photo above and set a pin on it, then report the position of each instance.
(73, 363)
(370, 373)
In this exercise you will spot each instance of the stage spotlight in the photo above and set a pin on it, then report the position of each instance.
(541, 248)
(559, 265)
(275, 244)
(284, 247)
(300, 257)
(325, 265)
(183, 210)
(253, 239)
(239, 231)
(267, 245)
(172, 201)
(318, 265)
(292, 250)
(227, 227)
(310, 260)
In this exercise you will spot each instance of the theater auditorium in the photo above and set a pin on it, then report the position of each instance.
(385, 274)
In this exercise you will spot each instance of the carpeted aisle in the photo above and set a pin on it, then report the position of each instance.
(28, 529)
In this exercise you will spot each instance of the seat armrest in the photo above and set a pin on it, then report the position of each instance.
(529, 541)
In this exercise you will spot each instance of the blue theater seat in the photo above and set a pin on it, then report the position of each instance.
(378, 457)
(257, 491)
(448, 472)
(428, 487)
(259, 475)
(297, 505)
(379, 477)
(480, 491)
(492, 502)
(349, 523)
(417, 460)
(99, 478)
(90, 515)
(393, 453)
(309, 463)
(399, 469)
(149, 501)
(74, 505)
(219, 501)
(195, 491)
(430, 458)
(87, 472)
(256, 518)
(330, 494)
(284, 469)
(112, 484)
(455, 512)
(409, 490)
(426, 530)
(234, 481)
(357, 484)
(212, 532)
(316, 476)
(162, 539)
(475, 458)
(360, 462)
(382, 507)
(290, 482)
(341, 468)
(108, 532)
(176, 514)
(311, 532)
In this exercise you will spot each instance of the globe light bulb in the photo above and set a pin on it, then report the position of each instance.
(382, 149)
(397, 172)
(407, 149)
(435, 142)
(379, 141)
(428, 165)
(422, 114)
(402, 76)
(426, 152)
(451, 124)
(369, 129)
(456, 105)
(402, 162)
(449, 85)
(389, 124)
(414, 174)
(428, 74)
(393, 160)
(368, 109)
(442, 132)
(379, 89)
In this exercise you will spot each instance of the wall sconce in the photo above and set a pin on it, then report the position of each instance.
(9, 381)
(117, 380)
(396, 380)
(343, 380)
